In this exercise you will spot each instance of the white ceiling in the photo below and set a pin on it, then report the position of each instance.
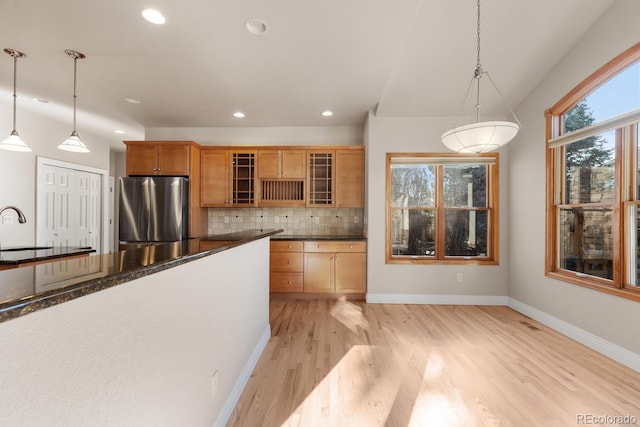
(407, 58)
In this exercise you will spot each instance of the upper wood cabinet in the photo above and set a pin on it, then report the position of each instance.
(170, 158)
(285, 164)
(336, 178)
(349, 178)
(228, 178)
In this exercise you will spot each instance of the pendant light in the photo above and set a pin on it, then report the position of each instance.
(14, 142)
(73, 143)
(480, 137)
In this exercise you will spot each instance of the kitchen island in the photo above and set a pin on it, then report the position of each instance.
(156, 337)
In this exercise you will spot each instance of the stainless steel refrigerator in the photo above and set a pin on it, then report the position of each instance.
(154, 209)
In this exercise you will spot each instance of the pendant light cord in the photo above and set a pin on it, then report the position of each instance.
(477, 74)
(75, 62)
(15, 67)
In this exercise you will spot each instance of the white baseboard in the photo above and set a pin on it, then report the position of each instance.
(607, 348)
(232, 400)
(436, 299)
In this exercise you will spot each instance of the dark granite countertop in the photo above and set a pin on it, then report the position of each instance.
(13, 256)
(27, 289)
(316, 237)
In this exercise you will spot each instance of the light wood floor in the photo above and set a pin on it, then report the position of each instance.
(341, 363)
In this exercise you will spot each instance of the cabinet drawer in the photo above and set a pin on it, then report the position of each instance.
(334, 246)
(286, 246)
(286, 261)
(286, 282)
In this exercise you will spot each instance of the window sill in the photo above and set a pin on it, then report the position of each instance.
(601, 285)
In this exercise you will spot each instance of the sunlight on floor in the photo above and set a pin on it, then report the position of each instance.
(375, 386)
(349, 314)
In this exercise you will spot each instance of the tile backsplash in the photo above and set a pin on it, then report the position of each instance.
(294, 221)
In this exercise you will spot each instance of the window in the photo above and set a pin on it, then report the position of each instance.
(442, 208)
(593, 193)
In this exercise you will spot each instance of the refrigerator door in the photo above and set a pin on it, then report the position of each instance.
(169, 203)
(134, 209)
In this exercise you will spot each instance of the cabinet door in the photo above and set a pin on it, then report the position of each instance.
(349, 179)
(318, 272)
(243, 179)
(268, 164)
(142, 159)
(173, 159)
(321, 179)
(350, 271)
(293, 164)
(215, 178)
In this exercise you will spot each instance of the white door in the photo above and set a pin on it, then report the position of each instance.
(54, 210)
(69, 211)
(95, 211)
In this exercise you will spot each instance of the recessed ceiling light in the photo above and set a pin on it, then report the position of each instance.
(132, 100)
(255, 26)
(153, 16)
(119, 132)
(327, 113)
(42, 100)
(238, 114)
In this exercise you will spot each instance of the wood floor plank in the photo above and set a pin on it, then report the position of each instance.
(347, 363)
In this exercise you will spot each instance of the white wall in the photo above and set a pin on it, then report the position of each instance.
(311, 135)
(18, 170)
(142, 353)
(423, 283)
(608, 317)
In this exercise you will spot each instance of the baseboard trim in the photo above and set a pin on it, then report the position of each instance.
(436, 299)
(607, 348)
(232, 400)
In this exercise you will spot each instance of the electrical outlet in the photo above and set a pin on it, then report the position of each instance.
(459, 277)
(317, 220)
(276, 219)
(226, 220)
(7, 219)
(356, 220)
(214, 384)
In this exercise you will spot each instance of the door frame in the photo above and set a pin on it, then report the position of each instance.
(104, 229)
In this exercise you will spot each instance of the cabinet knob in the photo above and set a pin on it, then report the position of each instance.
(350, 246)
(289, 282)
(289, 246)
(318, 246)
(288, 262)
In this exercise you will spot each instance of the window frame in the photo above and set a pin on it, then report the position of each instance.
(492, 207)
(625, 157)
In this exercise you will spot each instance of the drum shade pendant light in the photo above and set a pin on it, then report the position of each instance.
(14, 142)
(480, 137)
(73, 143)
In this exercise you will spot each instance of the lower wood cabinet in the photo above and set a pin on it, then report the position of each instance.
(318, 266)
(286, 266)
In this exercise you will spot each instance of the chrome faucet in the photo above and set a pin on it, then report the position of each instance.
(21, 218)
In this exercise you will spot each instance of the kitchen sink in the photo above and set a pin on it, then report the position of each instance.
(25, 248)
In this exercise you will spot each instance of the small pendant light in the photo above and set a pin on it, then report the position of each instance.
(73, 143)
(14, 142)
(480, 137)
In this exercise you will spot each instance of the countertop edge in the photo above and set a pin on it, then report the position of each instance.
(19, 307)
